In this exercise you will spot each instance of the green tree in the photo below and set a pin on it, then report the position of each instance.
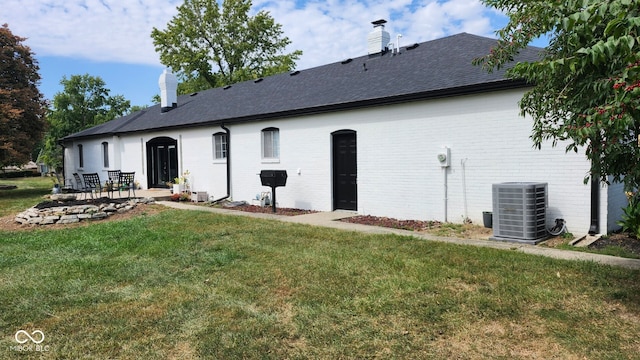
(211, 45)
(84, 103)
(22, 108)
(586, 85)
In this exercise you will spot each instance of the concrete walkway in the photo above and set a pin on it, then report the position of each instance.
(328, 219)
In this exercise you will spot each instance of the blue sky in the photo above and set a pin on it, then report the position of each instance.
(111, 38)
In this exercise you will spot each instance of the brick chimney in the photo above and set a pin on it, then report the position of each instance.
(168, 91)
(378, 39)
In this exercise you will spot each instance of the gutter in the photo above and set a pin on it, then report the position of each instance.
(228, 165)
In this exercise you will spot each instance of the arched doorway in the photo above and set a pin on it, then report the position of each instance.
(345, 170)
(162, 161)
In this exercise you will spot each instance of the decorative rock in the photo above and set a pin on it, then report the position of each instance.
(68, 219)
(35, 220)
(99, 215)
(63, 197)
(110, 208)
(49, 220)
(73, 214)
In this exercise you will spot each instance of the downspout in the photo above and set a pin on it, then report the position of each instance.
(595, 205)
(228, 165)
(64, 173)
(61, 144)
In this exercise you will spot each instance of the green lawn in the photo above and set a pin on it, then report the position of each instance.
(29, 192)
(188, 284)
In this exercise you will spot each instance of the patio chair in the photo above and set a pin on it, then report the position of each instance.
(127, 182)
(114, 181)
(79, 186)
(92, 183)
(64, 184)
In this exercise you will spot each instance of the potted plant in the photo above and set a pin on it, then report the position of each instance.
(180, 183)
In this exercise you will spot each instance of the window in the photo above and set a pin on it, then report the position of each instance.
(271, 143)
(105, 154)
(219, 146)
(80, 156)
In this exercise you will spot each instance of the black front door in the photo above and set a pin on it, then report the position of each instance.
(162, 161)
(345, 171)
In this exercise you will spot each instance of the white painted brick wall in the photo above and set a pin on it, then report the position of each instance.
(398, 173)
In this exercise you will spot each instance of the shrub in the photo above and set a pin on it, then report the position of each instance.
(631, 218)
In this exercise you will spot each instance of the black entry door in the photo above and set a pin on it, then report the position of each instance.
(162, 161)
(345, 172)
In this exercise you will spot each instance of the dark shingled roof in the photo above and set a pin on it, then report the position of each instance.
(433, 69)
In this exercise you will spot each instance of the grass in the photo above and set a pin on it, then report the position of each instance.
(608, 250)
(29, 192)
(188, 284)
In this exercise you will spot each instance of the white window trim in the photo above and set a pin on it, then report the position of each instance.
(105, 155)
(221, 160)
(270, 160)
(80, 148)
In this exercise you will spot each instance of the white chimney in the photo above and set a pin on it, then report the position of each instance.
(379, 38)
(168, 91)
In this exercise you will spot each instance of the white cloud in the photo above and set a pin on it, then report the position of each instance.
(107, 30)
(326, 31)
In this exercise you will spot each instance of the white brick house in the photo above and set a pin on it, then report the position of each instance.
(362, 134)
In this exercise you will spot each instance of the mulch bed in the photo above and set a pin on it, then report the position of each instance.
(413, 225)
(268, 210)
(622, 240)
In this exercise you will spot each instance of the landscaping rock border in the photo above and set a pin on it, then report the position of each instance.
(69, 214)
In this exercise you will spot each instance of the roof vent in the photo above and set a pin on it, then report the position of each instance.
(378, 39)
(226, 87)
(258, 80)
(295, 73)
(168, 91)
(346, 61)
(413, 46)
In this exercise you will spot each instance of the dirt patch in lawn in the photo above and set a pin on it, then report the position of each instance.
(465, 231)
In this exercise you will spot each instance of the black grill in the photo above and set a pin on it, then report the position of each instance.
(273, 179)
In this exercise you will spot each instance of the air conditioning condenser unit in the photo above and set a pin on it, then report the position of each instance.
(519, 212)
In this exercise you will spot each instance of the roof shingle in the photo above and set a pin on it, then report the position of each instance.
(435, 68)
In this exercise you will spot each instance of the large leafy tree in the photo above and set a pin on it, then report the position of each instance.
(84, 102)
(22, 107)
(210, 45)
(586, 86)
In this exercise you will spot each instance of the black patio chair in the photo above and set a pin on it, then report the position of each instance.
(79, 185)
(114, 181)
(92, 184)
(63, 183)
(127, 182)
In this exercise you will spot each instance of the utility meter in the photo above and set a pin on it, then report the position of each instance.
(444, 157)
